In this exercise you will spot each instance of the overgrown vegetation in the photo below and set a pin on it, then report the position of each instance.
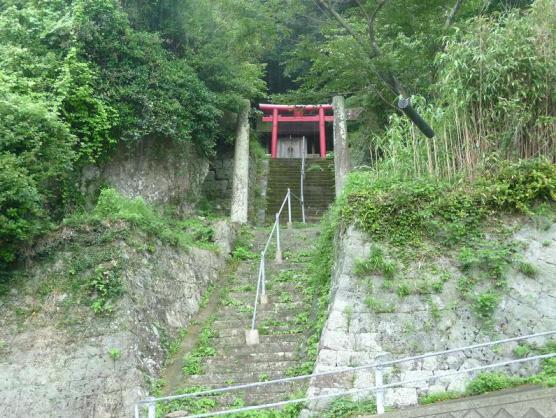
(192, 361)
(420, 219)
(79, 78)
(113, 207)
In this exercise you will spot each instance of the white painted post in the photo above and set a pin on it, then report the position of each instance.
(289, 208)
(136, 409)
(379, 391)
(152, 408)
(278, 247)
(264, 297)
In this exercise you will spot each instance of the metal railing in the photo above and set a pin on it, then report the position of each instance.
(260, 296)
(378, 388)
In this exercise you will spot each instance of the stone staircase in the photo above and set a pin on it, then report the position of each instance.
(318, 187)
(281, 324)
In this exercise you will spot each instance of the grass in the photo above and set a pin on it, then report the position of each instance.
(192, 362)
(345, 408)
(527, 269)
(114, 207)
(379, 306)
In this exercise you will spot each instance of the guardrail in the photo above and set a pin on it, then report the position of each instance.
(378, 387)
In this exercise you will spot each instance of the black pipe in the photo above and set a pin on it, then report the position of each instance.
(405, 106)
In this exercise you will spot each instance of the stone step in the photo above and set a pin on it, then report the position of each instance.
(227, 379)
(262, 315)
(269, 329)
(270, 348)
(286, 388)
(239, 340)
(250, 398)
(261, 366)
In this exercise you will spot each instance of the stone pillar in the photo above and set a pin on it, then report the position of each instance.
(342, 160)
(240, 185)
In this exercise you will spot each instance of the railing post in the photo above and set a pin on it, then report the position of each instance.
(136, 411)
(289, 208)
(278, 247)
(151, 408)
(379, 391)
(264, 297)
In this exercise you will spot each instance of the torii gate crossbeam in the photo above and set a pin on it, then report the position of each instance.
(297, 113)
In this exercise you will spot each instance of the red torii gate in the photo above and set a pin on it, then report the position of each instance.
(297, 113)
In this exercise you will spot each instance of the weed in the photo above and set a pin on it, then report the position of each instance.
(403, 290)
(485, 304)
(378, 306)
(376, 264)
(546, 243)
(263, 377)
(285, 297)
(115, 354)
(348, 314)
(434, 310)
(491, 381)
(466, 284)
(345, 408)
(527, 269)
(300, 370)
(242, 253)
(104, 285)
(439, 397)
(522, 350)
(203, 349)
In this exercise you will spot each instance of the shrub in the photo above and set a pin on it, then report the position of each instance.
(21, 213)
(485, 304)
(491, 381)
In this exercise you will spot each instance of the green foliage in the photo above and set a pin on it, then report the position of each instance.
(527, 269)
(192, 362)
(403, 290)
(485, 304)
(491, 381)
(113, 207)
(406, 211)
(21, 213)
(490, 257)
(115, 353)
(104, 285)
(242, 253)
(376, 263)
(522, 350)
(379, 306)
(79, 78)
(344, 408)
(439, 397)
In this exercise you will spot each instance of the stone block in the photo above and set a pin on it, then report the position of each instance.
(416, 375)
(399, 397)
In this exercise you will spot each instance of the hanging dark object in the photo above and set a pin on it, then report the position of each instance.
(404, 105)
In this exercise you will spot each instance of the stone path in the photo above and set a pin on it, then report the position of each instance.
(282, 324)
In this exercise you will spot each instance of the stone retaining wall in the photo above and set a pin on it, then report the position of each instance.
(356, 335)
(75, 364)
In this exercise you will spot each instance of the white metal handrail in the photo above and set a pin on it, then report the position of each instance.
(377, 366)
(260, 296)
